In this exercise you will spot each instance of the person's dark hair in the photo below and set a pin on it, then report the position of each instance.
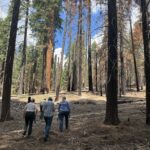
(64, 97)
(33, 100)
(29, 99)
(50, 99)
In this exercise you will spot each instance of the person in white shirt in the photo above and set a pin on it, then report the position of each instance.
(30, 112)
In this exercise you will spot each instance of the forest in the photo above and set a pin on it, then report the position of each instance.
(96, 53)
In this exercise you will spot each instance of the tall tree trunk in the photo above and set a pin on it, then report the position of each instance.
(74, 69)
(49, 54)
(75, 62)
(2, 75)
(112, 81)
(134, 59)
(6, 96)
(61, 61)
(89, 48)
(34, 73)
(96, 85)
(100, 78)
(54, 73)
(146, 40)
(80, 49)
(69, 51)
(43, 84)
(23, 63)
(43, 79)
(123, 78)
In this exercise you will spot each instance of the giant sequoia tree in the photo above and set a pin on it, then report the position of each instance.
(5, 113)
(112, 81)
(44, 23)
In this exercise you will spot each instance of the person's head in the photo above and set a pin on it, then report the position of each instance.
(29, 99)
(50, 99)
(33, 100)
(64, 98)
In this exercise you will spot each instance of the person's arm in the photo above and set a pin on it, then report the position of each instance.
(36, 109)
(69, 107)
(24, 111)
(59, 107)
(53, 107)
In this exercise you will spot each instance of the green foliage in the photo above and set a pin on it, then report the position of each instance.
(40, 19)
(4, 28)
(64, 79)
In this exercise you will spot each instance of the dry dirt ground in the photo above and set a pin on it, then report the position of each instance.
(87, 131)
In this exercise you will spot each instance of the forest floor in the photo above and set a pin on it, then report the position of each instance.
(87, 130)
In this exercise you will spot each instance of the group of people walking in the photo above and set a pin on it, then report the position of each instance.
(47, 109)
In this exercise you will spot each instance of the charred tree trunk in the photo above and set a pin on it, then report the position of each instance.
(146, 40)
(134, 59)
(112, 81)
(6, 96)
(74, 69)
(89, 48)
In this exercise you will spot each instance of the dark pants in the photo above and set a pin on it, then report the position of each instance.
(29, 118)
(48, 122)
(61, 116)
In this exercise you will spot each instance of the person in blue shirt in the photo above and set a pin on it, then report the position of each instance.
(48, 111)
(63, 112)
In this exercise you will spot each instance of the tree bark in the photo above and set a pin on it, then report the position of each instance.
(134, 59)
(112, 81)
(23, 64)
(80, 49)
(96, 84)
(69, 51)
(6, 96)
(123, 77)
(146, 41)
(49, 54)
(74, 68)
(61, 61)
(2, 76)
(89, 48)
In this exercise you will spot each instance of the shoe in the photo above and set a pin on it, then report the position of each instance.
(45, 139)
(24, 133)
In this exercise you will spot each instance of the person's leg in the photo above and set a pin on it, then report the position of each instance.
(61, 118)
(31, 119)
(26, 123)
(48, 127)
(45, 118)
(66, 119)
